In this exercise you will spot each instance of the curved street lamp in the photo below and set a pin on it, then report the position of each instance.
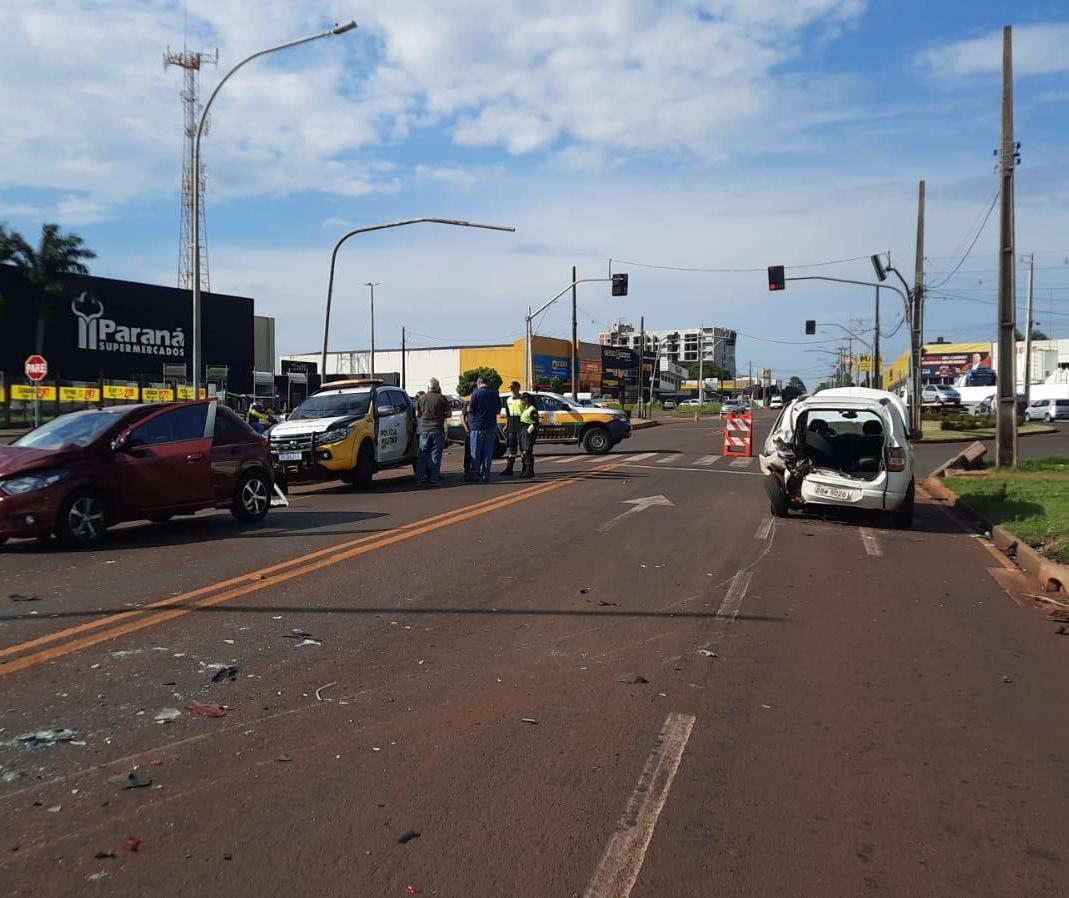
(382, 227)
(197, 328)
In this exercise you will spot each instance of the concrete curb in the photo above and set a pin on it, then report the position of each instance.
(642, 425)
(953, 440)
(1052, 577)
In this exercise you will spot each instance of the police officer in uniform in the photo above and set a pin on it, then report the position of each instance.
(256, 418)
(514, 408)
(528, 433)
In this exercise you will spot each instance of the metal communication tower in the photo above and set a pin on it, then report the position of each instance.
(191, 61)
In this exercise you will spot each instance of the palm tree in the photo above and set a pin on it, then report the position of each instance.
(57, 256)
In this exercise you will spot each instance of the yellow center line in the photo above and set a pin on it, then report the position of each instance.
(308, 564)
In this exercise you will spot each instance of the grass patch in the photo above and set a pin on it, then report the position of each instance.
(1035, 508)
(934, 433)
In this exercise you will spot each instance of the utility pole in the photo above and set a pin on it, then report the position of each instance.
(372, 286)
(1028, 333)
(701, 369)
(917, 315)
(877, 368)
(404, 385)
(575, 339)
(641, 363)
(1006, 425)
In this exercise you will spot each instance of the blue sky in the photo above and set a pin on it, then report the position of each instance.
(702, 134)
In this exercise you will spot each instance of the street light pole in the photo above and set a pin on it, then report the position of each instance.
(382, 227)
(372, 286)
(198, 348)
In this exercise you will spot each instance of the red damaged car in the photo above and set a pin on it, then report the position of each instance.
(80, 473)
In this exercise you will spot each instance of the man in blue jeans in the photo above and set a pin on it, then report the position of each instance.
(433, 409)
(485, 405)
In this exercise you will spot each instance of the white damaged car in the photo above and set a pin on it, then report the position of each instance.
(847, 447)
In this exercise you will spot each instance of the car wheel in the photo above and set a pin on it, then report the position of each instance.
(1050, 419)
(82, 519)
(252, 498)
(361, 475)
(903, 516)
(597, 441)
(778, 501)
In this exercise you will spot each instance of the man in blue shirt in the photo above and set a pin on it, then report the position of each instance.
(485, 405)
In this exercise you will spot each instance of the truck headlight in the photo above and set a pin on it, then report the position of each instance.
(334, 435)
(37, 480)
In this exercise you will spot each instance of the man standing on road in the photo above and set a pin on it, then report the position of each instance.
(433, 410)
(513, 410)
(485, 404)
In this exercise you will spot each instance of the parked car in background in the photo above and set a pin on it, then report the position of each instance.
(689, 403)
(847, 447)
(775, 402)
(668, 404)
(941, 396)
(80, 473)
(987, 406)
(1049, 410)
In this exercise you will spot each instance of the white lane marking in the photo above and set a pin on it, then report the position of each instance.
(706, 460)
(666, 459)
(637, 505)
(642, 456)
(699, 470)
(729, 608)
(620, 864)
(872, 545)
(741, 462)
(764, 528)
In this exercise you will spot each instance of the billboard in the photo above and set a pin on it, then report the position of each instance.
(546, 367)
(956, 359)
(619, 369)
(122, 330)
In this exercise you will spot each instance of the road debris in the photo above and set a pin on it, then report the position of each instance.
(131, 780)
(132, 844)
(166, 715)
(528, 720)
(629, 678)
(1062, 631)
(18, 597)
(225, 672)
(102, 855)
(585, 590)
(319, 697)
(46, 737)
(207, 709)
(94, 877)
(298, 634)
(708, 652)
(603, 604)
(414, 890)
(1007, 680)
(409, 836)
(304, 642)
(1059, 617)
(55, 809)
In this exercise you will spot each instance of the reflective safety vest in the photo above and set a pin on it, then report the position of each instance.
(256, 415)
(529, 417)
(515, 406)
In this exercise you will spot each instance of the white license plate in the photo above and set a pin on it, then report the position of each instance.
(832, 492)
(289, 456)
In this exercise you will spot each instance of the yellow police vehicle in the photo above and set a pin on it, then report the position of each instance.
(594, 428)
(348, 430)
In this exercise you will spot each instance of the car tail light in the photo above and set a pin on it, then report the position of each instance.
(896, 459)
(264, 441)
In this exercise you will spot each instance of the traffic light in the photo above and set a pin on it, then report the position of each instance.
(810, 327)
(776, 278)
(619, 285)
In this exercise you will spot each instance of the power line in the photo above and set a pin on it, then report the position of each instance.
(972, 244)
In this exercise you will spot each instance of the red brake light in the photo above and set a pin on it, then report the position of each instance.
(896, 459)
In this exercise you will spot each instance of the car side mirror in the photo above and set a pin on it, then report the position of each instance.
(120, 443)
(915, 434)
(384, 409)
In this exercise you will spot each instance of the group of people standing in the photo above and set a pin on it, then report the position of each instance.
(480, 424)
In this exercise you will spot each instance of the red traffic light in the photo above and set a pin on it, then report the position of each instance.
(776, 278)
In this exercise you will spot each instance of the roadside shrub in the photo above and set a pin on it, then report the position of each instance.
(967, 422)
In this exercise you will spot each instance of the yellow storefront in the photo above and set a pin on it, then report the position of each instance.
(551, 357)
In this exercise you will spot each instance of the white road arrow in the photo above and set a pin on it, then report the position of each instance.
(637, 505)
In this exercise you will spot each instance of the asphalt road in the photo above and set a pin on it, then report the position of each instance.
(561, 691)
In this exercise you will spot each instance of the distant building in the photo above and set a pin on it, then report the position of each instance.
(711, 344)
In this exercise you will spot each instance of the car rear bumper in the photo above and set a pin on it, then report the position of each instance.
(866, 497)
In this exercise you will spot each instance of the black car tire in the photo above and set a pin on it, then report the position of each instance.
(903, 516)
(361, 475)
(82, 520)
(1050, 419)
(778, 501)
(252, 498)
(597, 441)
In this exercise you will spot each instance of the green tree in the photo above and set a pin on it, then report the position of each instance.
(823, 385)
(707, 369)
(556, 385)
(797, 383)
(57, 256)
(466, 384)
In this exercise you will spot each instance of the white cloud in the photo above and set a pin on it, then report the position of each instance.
(1038, 49)
(97, 118)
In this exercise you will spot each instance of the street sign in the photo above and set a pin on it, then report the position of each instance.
(36, 368)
